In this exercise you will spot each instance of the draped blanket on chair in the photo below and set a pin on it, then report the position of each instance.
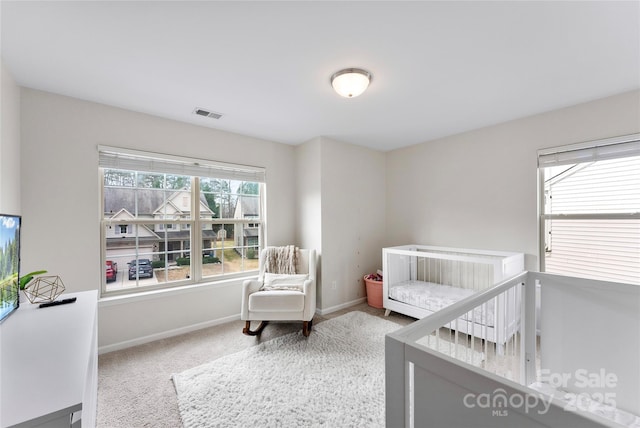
(281, 259)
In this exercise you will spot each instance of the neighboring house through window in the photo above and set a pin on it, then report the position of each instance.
(149, 201)
(590, 209)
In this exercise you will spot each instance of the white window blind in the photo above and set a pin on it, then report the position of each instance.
(611, 148)
(590, 209)
(133, 160)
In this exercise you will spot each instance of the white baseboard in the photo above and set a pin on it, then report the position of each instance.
(341, 306)
(165, 334)
(182, 330)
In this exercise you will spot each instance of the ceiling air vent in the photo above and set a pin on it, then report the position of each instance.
(207, 113)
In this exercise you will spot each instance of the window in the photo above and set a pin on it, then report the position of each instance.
(590, 209)
(170, 221)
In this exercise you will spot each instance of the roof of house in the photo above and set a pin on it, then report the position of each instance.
(148, 200)
(250, 233)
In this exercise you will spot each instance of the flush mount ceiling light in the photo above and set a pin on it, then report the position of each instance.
(350, 82)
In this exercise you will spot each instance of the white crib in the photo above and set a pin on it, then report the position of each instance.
(420, 280)
(582, 370)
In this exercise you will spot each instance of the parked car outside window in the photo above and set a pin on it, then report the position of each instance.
(142, 268)
(113, 265)
(110, 273)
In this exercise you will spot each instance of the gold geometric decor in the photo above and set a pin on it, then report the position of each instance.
(44, 289)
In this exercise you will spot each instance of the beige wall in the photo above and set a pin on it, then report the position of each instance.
(323, 195)
(9, 147)
(353, 220)
(475, 190)
(60, 203)
(479, 189)
(341, 214)
(9, 143)
(309, 203)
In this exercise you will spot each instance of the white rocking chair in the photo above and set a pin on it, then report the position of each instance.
(283, 297)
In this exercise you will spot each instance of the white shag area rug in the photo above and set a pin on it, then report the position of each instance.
(333, 378)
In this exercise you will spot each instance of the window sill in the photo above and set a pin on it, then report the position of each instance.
(168, 292)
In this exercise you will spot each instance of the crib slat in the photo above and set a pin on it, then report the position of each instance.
(457, 334)
(483, 320)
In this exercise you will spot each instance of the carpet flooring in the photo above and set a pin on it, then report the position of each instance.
(135, 387)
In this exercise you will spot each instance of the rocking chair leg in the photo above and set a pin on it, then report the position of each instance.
(247, 328)
(306, 327)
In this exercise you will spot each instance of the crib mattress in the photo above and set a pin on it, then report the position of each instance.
(433, 297)
(427, 295)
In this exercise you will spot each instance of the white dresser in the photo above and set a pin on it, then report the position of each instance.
(49, 364)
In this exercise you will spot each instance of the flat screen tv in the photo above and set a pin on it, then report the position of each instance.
(9, 264)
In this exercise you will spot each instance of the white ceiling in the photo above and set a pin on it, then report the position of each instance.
(439, 68)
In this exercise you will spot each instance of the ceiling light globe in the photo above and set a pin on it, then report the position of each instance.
(350, 82)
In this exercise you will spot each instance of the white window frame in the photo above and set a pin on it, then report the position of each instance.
(610, 148)
(126, 159)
